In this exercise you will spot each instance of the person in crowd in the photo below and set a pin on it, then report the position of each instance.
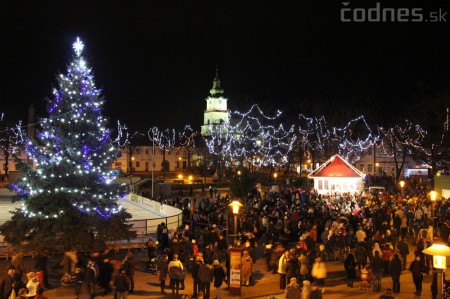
(6, 283)
(417, 268)
(292, 269)
(22, 293)
(105, 277)
(219, 277)
(395, 269)
(129, 266)
(175, 269)
(163, 264)
(386, 256)
(304, 266)
(282, 267)
(78, 279)
(122, 285)
(19, 284)
(360, 253)
(292, 290)
(377, 271)
(350, 269)
(205, 277)
(306, 290)
(246, 268)
(319, 272)
(195, 266)
(19, 264)
(32, 284)
(91, 276)
(41, 266)
(403, 249)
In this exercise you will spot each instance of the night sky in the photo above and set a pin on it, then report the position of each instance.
(155, 61)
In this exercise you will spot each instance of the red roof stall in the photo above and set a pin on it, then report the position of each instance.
(337, 176)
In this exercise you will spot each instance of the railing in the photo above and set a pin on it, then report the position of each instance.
(144, 228)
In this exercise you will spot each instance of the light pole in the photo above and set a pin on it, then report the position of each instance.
(402, 184)
(275, 177)
(439, 253)
(235, 205)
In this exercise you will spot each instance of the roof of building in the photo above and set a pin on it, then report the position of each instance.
(336, 166)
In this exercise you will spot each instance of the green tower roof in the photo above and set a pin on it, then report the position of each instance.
(216, 89)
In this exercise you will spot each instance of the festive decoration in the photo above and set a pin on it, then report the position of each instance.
(253, 138)
(71, 183)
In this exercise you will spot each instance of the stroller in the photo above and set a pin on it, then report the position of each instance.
(366, 278)
(152, 265)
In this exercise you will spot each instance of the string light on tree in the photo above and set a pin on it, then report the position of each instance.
(70, 189)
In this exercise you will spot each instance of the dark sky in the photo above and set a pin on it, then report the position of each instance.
(155, 60)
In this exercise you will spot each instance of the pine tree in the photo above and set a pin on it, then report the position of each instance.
(69, 194)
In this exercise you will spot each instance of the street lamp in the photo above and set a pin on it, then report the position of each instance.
(275, 177)
(402, 184)
(235, 205)
(439, 253)
(377, 165)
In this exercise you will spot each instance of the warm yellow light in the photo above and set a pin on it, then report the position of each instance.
(132, 158)
(275, 175)
(179, 158)
(235, 205)
(433, 195)
(377, 164)
(402, 184)
(190, 177)
(439, 253)
(439, 262)
(239, 172)
(180, 176)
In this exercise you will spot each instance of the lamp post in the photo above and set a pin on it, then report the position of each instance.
(439, 253)
(235, 205)
(402, 184)
(275, 177)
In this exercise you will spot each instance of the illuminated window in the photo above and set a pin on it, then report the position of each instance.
(320, 187)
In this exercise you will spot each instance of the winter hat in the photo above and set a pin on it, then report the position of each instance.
(216, 262)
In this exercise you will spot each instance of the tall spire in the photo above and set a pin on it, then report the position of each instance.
(216, 89)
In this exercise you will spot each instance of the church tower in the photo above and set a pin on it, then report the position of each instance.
(216, 113)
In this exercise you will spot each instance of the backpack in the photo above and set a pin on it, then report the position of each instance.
(175, 272)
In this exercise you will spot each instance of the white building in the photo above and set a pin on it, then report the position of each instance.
(337, 176)
(216, 113)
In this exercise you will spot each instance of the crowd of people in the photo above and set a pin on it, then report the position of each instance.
(297, 232)
(363, 231)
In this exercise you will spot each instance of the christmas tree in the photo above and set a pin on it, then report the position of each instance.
(69, 194)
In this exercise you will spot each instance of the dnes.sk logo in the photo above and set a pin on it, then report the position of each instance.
(389, 14)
